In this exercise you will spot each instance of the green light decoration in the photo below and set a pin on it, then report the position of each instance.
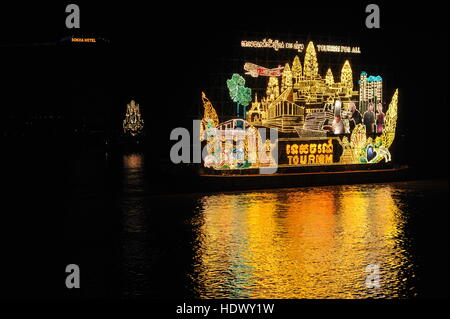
(238, 92)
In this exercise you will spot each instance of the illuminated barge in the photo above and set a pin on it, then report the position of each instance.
(320, 125)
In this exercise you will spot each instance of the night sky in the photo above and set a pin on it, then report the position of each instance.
(165, 56)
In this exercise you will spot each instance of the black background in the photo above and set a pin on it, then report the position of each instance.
(163, 57)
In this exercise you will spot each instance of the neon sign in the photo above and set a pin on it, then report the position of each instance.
(84, 40)
(310, 153)
(299, 47)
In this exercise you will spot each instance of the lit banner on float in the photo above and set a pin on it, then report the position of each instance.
(299, 47)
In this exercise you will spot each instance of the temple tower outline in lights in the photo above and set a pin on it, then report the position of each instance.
(301, 91)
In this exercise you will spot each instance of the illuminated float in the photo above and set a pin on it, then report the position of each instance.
(319, 121)
(133, 123)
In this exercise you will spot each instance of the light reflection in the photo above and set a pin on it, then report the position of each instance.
(308, 243)
(133, 202)
(135, 257)
(133, 161)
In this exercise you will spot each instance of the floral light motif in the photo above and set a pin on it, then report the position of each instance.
(390, 122)
(210, 119)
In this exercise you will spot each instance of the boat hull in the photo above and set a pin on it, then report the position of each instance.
(231, 181)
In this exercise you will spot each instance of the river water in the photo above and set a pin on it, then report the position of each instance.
(314, 243)
(318, 242)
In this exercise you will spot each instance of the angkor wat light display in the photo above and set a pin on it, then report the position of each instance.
(322, 122)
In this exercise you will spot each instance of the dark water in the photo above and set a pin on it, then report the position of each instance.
(286, 243)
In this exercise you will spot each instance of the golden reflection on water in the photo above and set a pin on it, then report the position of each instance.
(133, 161)
(307, 243)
